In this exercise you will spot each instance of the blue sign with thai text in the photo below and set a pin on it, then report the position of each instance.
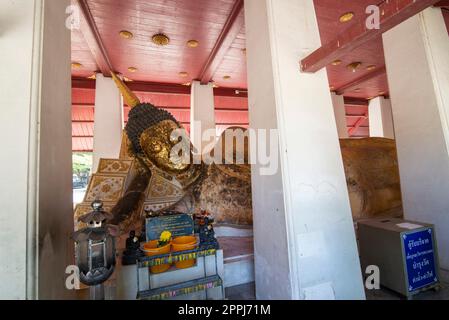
(178, 225)
(420, 259)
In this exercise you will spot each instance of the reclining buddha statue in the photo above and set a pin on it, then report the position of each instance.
(158, 183)
(224, 190)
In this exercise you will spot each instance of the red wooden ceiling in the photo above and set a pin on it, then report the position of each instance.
(204, 20)
(328, 14)
(229, 111)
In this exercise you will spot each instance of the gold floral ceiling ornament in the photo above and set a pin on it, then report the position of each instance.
(125, 34)
(346, 17)
(76, 65)
(226, 77)
(354, 66)
(132, 69)
(193, 43)
(160, 39)
(336, 62)
(183, 74)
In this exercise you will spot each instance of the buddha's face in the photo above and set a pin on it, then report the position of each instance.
(157, 143)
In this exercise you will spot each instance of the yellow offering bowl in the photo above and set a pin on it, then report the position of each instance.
(151, 249)
(181, 244)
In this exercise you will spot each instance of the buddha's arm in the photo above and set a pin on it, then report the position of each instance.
(127, 206)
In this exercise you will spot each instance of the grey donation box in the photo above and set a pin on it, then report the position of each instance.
(404, 251)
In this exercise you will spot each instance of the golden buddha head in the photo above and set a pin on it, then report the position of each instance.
(157, 137)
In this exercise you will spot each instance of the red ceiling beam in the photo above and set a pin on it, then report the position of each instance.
(231, 29)
(393, 13)
(353, 116)
(181, 122)
(140, 86)
(168, 108)
(169, 88)
(82, 121)
(360, 80)
(230, 92)
(358, 124)
(82, 83)
(443, 3)
(90, 33)
(355, 102)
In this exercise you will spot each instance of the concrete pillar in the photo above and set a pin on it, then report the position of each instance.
(305, 246)
(108, 126)
(417, 61)
(36, 216)
(202, 114)
(380, 118)
(338, 101)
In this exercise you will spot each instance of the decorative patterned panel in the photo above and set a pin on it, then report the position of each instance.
(106, 188)
(114, 166)
(161, 193)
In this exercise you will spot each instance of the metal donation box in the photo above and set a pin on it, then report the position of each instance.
(404, 251)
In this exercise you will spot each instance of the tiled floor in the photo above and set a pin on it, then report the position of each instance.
(236, 246)
(242, 292)
(386, 294)
(247, 292)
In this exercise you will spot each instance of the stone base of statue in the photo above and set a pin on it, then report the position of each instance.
(237, 243)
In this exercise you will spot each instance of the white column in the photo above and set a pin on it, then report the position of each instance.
(417, 60)
(338, 101)
(36, 215)
(108, 124)
(305, 246)
(202, 114)
(380, 118)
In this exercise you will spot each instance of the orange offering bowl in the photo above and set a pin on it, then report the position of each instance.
(181, 244)
(151, 249)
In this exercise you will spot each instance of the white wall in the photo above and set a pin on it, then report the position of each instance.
(319, 240)
(35, 189)
(417, 60)
(338, 102)
(202, 114)
(272, 270)
(380, 118)
(108, 124)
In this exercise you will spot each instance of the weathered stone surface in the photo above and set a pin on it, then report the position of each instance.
(372, 176)
(227, 197)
